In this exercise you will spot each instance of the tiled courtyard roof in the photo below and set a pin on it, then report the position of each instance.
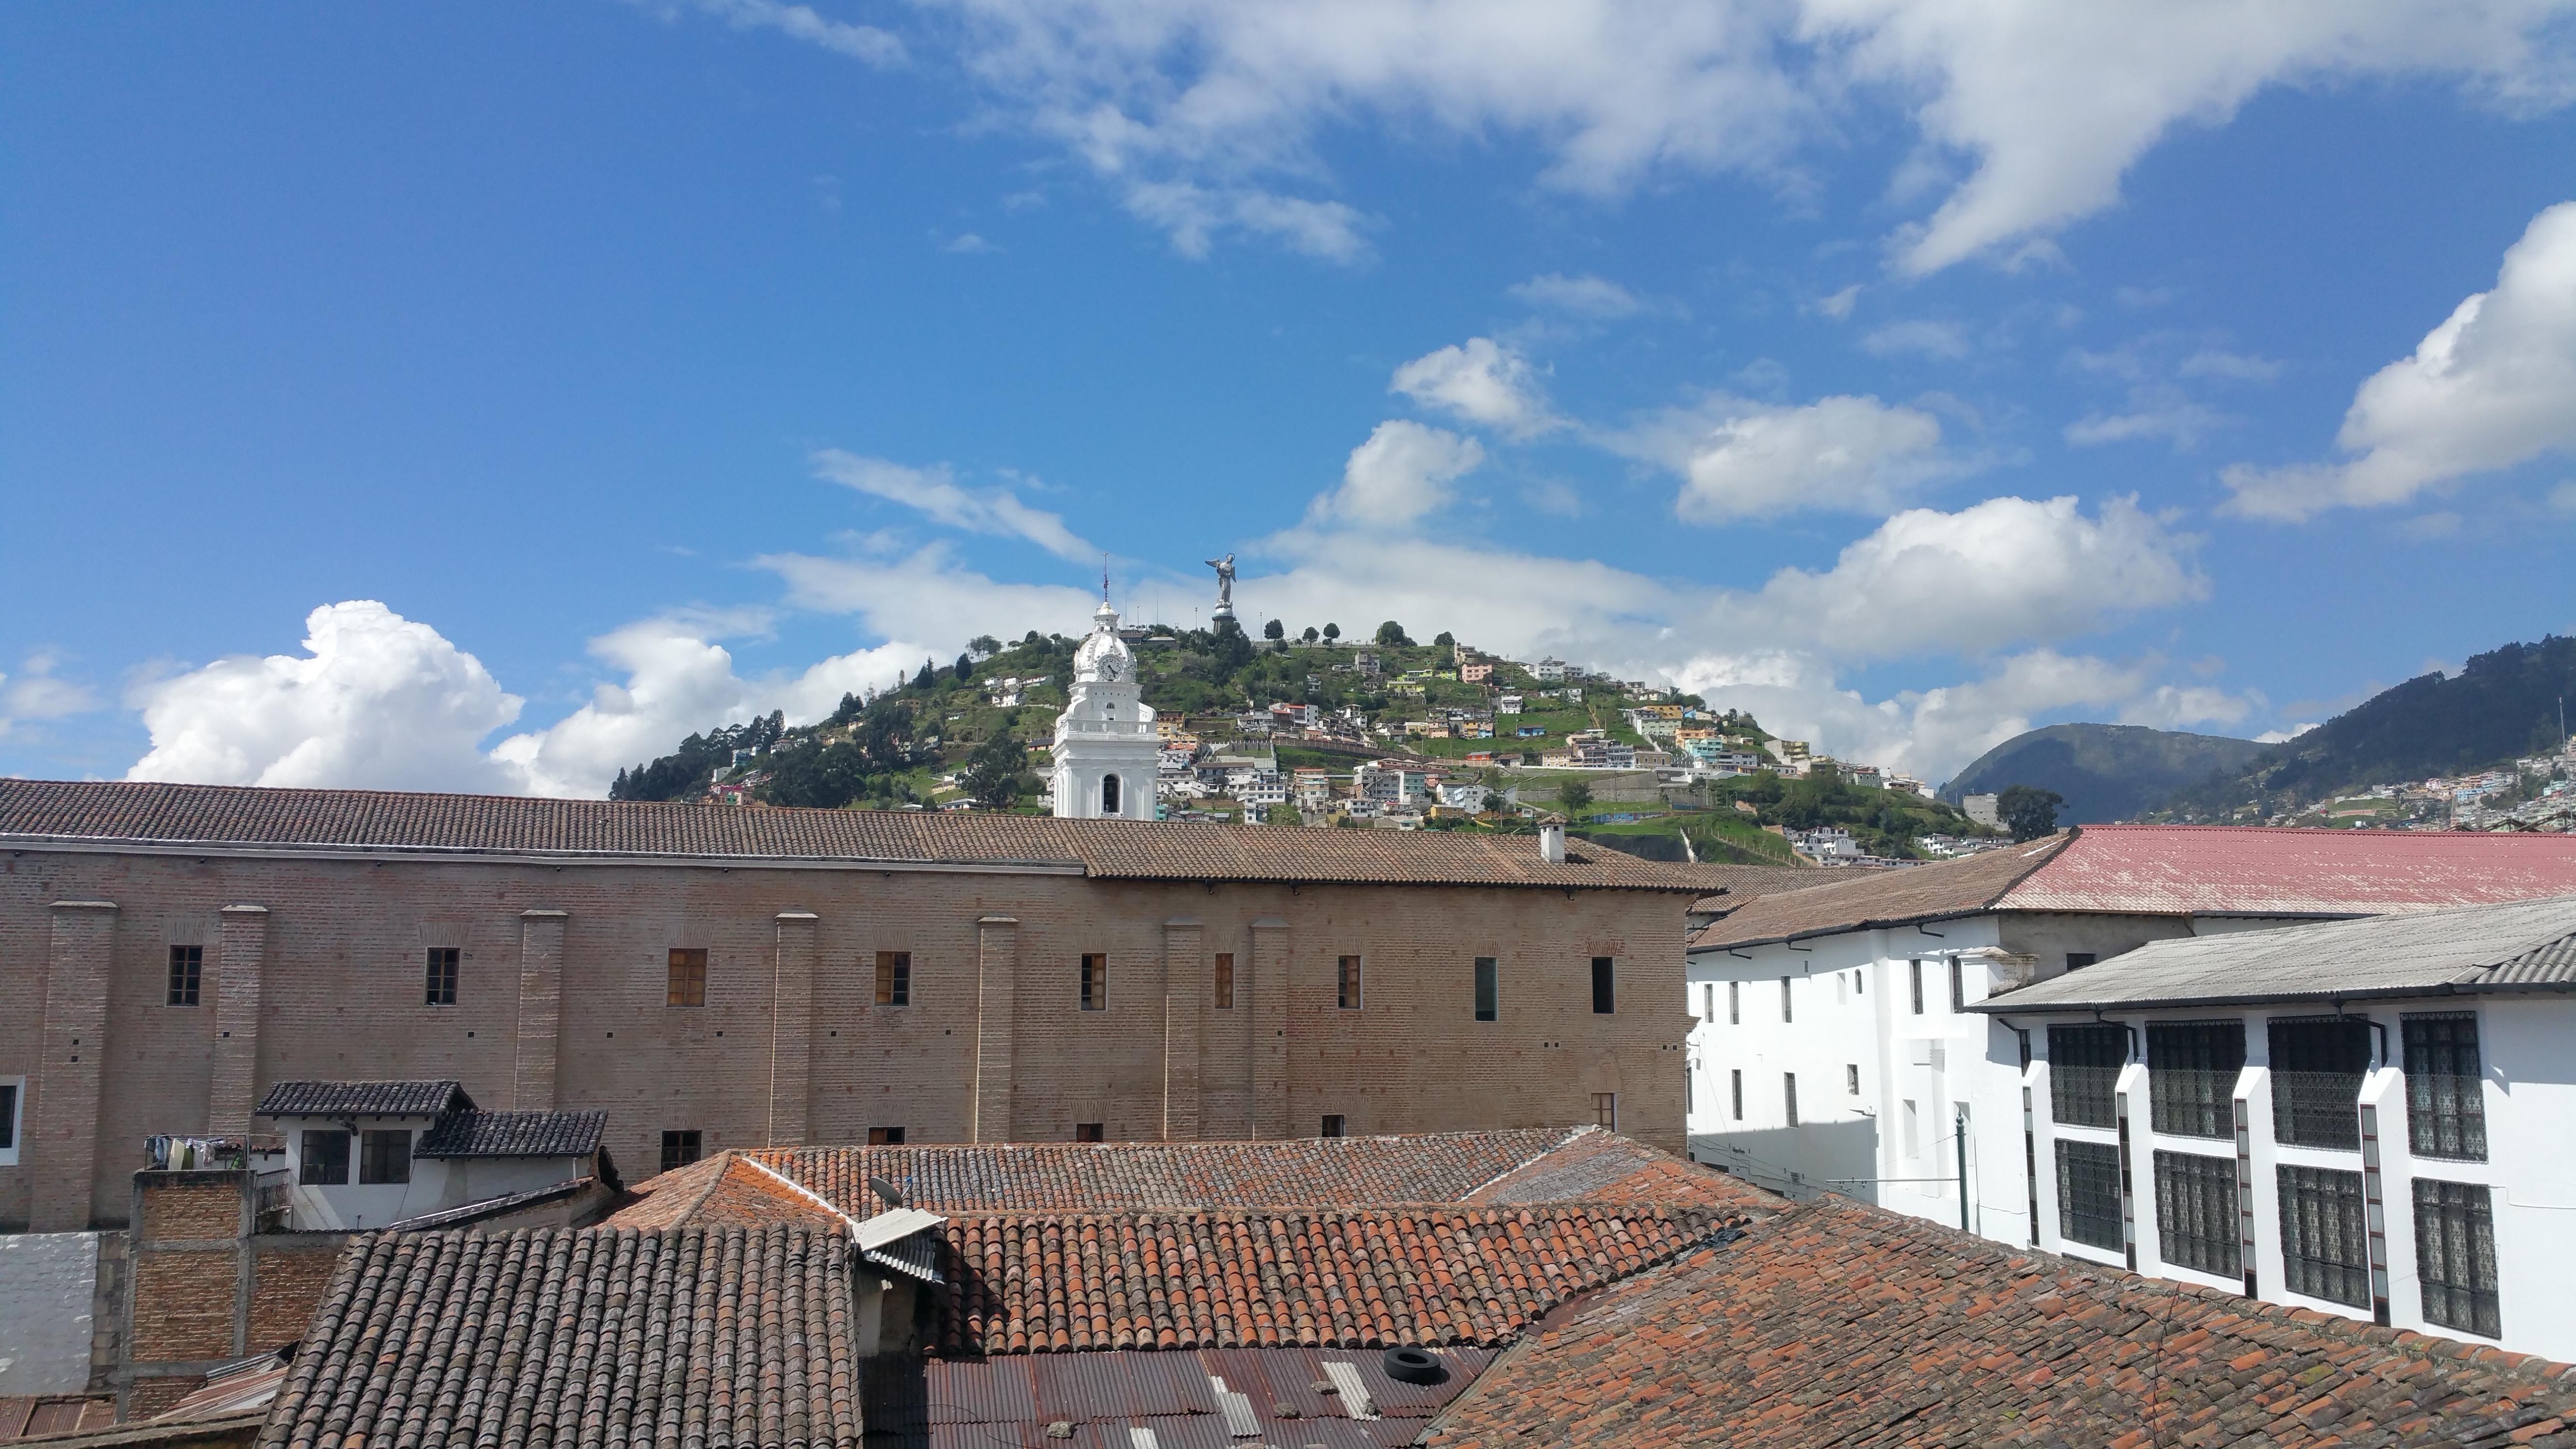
(362, 1099)
(223, 815)
(1880, 897)
(724, 1191)
(579, 1340)
(513, 1134)
(1057, 1283)
(1593, 1166)
(1835, 1323)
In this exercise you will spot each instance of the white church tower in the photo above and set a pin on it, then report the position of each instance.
(1105, 748)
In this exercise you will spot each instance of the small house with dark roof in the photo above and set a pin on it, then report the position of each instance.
(363, 1155)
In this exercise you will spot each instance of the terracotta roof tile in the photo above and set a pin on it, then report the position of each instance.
(362, 1099)
(724, 1191)
(1604, 1167)
(1880, 897)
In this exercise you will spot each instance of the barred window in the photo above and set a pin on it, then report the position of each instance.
(324, 1162)
(2191, 1076)
(1789, 1096)
(2446, 1113)
(894, 978)
(2088, 1194)
(2325, 1246)
(1225, 981)
(885, 1137)
(439, 988)
(187, 971)
(1095, 982)
(1735, 1092)
(2196, 1212)
(2083, 1067)
(2317, 1067)
(2455, 1256)
(384, 1155)
(1348, 993)
(1605, 1110)
(687, 978)
(681, 1148)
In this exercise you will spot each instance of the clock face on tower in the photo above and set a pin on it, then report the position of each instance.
(1109, 669)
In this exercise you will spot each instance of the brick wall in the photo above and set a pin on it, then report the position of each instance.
(289, 1282)
(198, 1207)
(150, 1396)
(184, 1306)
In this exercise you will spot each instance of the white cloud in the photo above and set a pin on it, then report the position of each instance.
(934, 491)
(2493, 386)
(1743, 459)
(800, 22)
(1839, 305)
(1195, 215)
(36, 693)
(2154, 412)
(1939, 340)
(2274, 737)
(1584, 296)
(375, 700)
(1402, 472)
(2236, 366)
(967, 243)
(1481, 381)
(926, 595)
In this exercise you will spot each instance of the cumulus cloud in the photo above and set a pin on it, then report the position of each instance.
(37, 693)
(1744, 459)
(1401, 473)
(1194, 216)
(375, 700)
(2493, 386)
(1585, 296)
(1483, 382)
(934, 491)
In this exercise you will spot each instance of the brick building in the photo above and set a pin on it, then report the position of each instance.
(750, 977)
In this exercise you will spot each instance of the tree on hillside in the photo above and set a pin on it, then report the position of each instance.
(1274, 630)
(1444, 640)
(1575, 796)
(2028, 812)
(983, 646)
(1309, 635)
(965, 668)
(928, 676)
(993, 771)
(1391, 635)
(1332, 631)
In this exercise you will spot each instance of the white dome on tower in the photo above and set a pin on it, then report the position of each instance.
(1103, 657)
(1106, 747)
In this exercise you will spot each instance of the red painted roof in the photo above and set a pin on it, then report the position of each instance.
(2238, 870)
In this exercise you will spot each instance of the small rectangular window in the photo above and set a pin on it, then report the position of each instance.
(1708, 1003)
(1789, 1096)
(2078, 960)
(1489, 989)
(1223, 980)
(2083, 1070)
(1090, 1132)
(1735, 1003)
(885, 1137)
(2317, 1069)
(1347, 980)
(679, 1149)
(2191, 1076)
(688, 977)
(1735, 1091)
(1958, 986)
(1332, 1125)
(1851, 1077)
(440, 987)
(324, 1160)
(1095, 984)
(894, 978)
(2196, 1212)
(1785, 1012)
(1914, 974)
(1605, 986)
(187, 969)
(384, 1155)
(2446, 1113)
(1605, 1110)
(2088, 1194)
(1860, 983)
(2325, 1244)
(2455, 1256)
(9, 1119)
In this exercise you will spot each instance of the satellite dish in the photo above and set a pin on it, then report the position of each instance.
(886, 1192)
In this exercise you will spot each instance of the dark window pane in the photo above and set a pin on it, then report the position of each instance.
(1605, 986)
(1095, 983)
(1789, 1096)
(885, 1137)
(384, 1155)
(2446, 1113)
(894, 978)
(187, 969)
(688, 978)
(2455, 1256)
(1605, 1110)
(2325, 1247)
(8, 1116)
(679, 1149)
(1332, 1125)
(1091, 1131)
(1489, 989)
(2088, 1194)
(1785, 1013)
(1225, 981)
(1914, 975)
(324, 1160)
(2317, 1067)
(1349, 978)
(2191, 1076)
(2078, 960)
(440, 987)
(1735, 1088)
(2083, 1069)
(2196, 1218)
(1958, 986)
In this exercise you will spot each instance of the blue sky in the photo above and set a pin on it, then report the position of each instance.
(483, 396)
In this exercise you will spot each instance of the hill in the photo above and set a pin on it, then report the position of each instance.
(2106, 772)
(2503, 705)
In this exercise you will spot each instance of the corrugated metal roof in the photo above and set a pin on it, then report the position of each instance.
(2519, 946)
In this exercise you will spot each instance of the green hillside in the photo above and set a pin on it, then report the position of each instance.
(2106, 772)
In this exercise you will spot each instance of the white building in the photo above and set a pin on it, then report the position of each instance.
(1983, 810)
(373, 1154)
(1106, 754)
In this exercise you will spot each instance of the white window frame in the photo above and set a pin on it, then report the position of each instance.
(18, 1120)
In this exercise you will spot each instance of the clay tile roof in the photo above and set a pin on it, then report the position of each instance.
(1837, 1323)
(1357, 1278)
(1880, 898)
(221, 816)
(724, 1191)
(1603, 1167)
(579, 1339)
(2239, 870)
(513, 1134)
(362, 1099)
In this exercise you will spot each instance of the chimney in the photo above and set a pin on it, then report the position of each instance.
(1551, 842)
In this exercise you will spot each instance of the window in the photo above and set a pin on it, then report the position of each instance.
(187, 968)
(1735, 1003)
(2088, 1194)
(1789, 1096)
(1347, 984)
(1333, 1125)
(1958, 986)
(1735, 1088)
(2455, 1256)
(10, 1093)
(2446, 1113)
(679, 1149)
(1109, 794)
(440, 988)
(2324, 1248)
(885, 1137)
(2083, 1066)
(1851, 1078)
(2196, 1212)
(2078, 960)
(688, 979)
(894, 978)
(1489, 989)
(1605, 1110)
(1708, 1003)
(1224, 981)
(2317, 1067)
(1784, 999)
(2191, 1076)
(1091, 1131)
(1860, 983)
(1690, 1088)
(324, 1161)
(384, 1155)
(1095, 983)
(1914, 976)
(1605, 986)
(1913, 1125)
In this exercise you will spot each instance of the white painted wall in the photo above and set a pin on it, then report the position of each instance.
(47, 1281)
(436, 1182)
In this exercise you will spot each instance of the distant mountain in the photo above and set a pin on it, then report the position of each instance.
(2502, 705)
(2106, 772)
